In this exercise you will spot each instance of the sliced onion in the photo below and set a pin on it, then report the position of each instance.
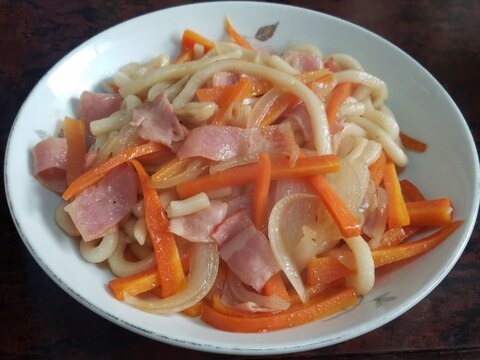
(347, 184)
(193, 170)
(204, 262)
(375, 225)
(262, 106)
(285, 231)
(239, 297)
(314, 241)
(352, 181)
(233, 162)
(364, 278)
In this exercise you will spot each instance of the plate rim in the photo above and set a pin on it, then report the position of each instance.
(208, 347)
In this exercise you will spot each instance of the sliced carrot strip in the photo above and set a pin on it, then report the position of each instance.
(377, 169)
(396, 236)
(190, 38)
(231, 177)
(305, 166)
(317, 308)
(238, 93)
(412, 144)
(247, 174)
(75, 134)
(339, 94)
(410, 191)
(185, 55)
(396, 208)
(327, 269)
(260, 87)
(332, 65)
(169, 264)
(281, 104)
(324, 270)
(347, 224)
(92, 176)
(235, 36)
(287, 101)
(217, 94)
(260, 192)
(436, 212)
(320, 75)
(276, 286)
(194, 310)
(134, 284)
(396, 253)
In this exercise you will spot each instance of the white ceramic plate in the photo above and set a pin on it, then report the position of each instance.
(422, 107)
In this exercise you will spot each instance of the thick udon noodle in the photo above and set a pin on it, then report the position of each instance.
(369, 127)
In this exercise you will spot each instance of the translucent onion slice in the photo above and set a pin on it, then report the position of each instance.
(285, 231)
(364, 278)
(243, 298)
(262, 106)
(376, 223)
(233, 162)
(193, 170)
(204, 262)
(347, 184)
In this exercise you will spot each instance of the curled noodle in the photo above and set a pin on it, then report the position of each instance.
(97, 252)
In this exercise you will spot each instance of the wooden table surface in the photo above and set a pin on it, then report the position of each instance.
(39, 320)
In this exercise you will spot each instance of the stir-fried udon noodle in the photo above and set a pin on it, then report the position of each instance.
(237, 183)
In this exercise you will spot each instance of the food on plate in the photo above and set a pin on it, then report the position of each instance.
(253, 189)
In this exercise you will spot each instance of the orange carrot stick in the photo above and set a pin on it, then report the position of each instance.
(134, 284)
(377, 169)
(281, 104)
(396, 253)
(231, 177)
(218, 93)
(305, 166)
(317, 308)
(215, 94)
(410, 191)
(260, 192)
(75, 134)
(437, 212)
(287, 101)
(239, 92)
(412, 144)
(235, 36)
(339, 94)
(92, 176)
(396, 208)
(169, 264)
(194, 310)
(323, 270)
(190, 38)
(185, 55)
(396, 236)
(240, 175)
(343, 218)
(276, 286)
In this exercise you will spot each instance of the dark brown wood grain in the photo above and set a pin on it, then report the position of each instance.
(38, 320)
